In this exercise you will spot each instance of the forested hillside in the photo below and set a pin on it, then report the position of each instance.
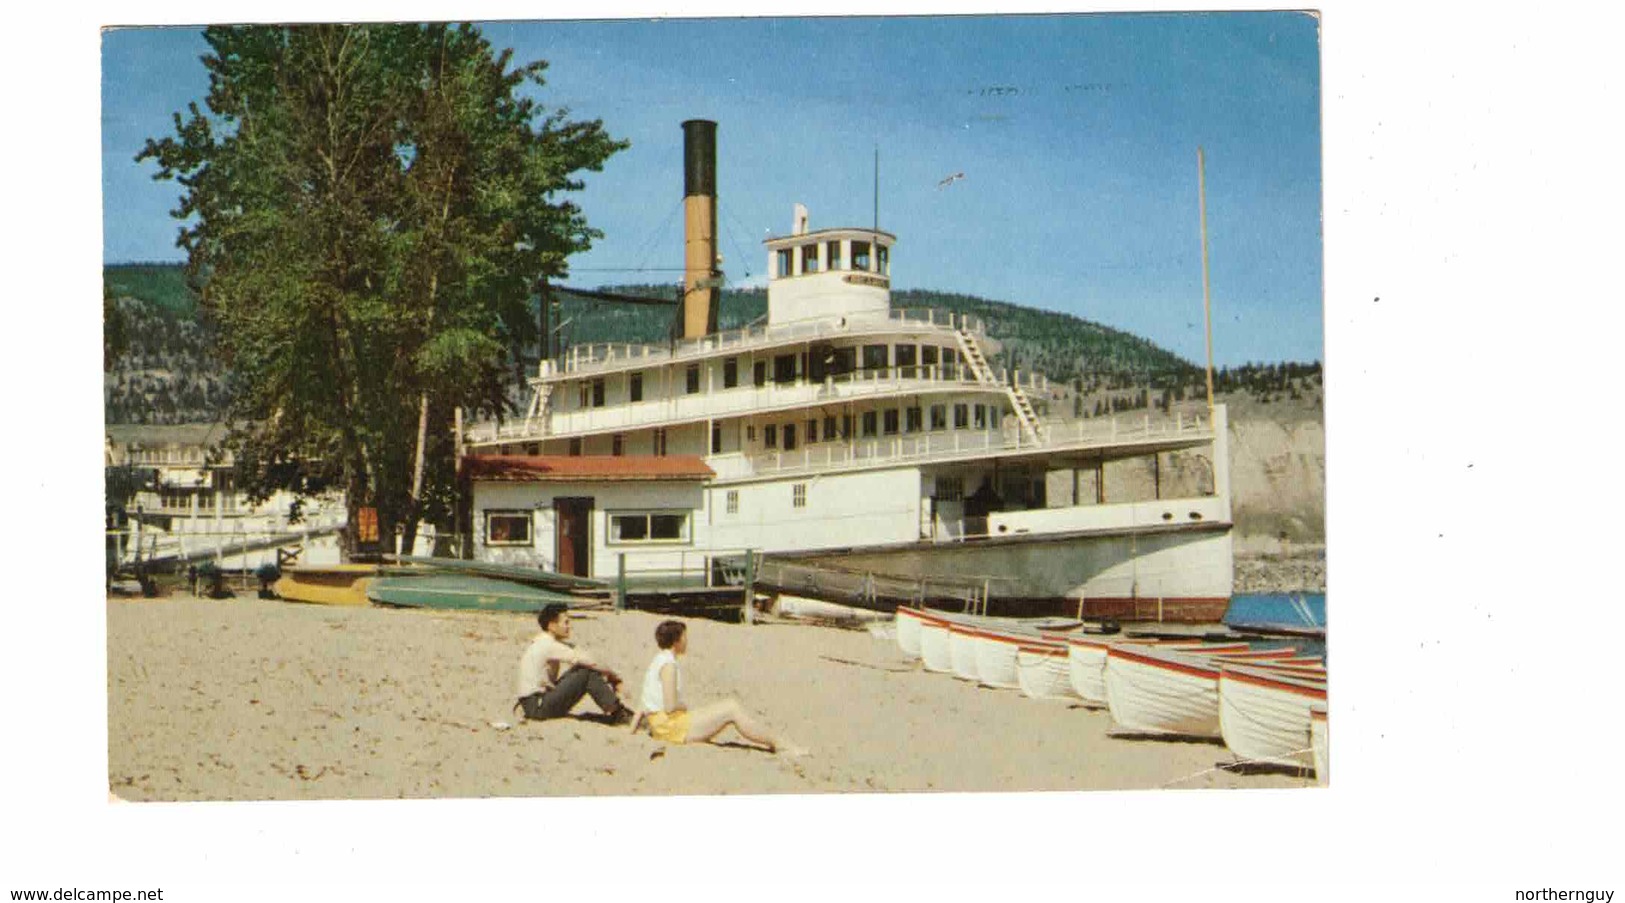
(169, 374)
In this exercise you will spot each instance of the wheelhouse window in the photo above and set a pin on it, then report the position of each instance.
(883, 256)
(860, 255)
(507, 528)
(928, 360)
(980, 420)
(950, 363)
(634, 387)
(598, 393)
(809, 258)
(786, 261)
(648, 526)
(939, 417)
(832, 250)
(691, 378)
(730, 373)
(961, 416)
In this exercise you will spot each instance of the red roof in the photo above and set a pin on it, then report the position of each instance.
(574, 468)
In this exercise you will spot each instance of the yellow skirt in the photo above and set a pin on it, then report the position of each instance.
(671, 727)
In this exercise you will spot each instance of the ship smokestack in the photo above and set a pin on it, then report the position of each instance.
(701, 294)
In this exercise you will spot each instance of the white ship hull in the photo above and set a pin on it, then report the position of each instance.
(1264, 715)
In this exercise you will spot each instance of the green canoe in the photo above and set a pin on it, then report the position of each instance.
(514, 572)
(462, 591)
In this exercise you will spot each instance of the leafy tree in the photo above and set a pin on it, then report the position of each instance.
(367, 209)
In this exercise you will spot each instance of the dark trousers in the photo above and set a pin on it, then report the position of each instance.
(574, 684)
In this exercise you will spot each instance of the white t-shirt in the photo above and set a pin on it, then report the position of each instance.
(539, 667)
(653, 698)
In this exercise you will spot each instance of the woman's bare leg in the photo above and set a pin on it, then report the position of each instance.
(706, 722)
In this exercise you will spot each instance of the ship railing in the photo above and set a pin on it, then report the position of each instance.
(607, 354)
(1059, 435)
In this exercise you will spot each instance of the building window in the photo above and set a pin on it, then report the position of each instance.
(860, 255)
(829, 428)
(770, 435)
(598, 393)
(809, 258)
(692, 377)
(617, 445)
(812, 431)
(789, 437)
(980, 420)
(871, 424)
(912, 421)
(833, 251)
(648, 526)
(784, 369)
(730, 373)
(716, 438)
(798, 495)
(950, 489)
(961, 416)
(758, 373)
(575, 448)
(939, 417)
(883, 255)
(733, 501)
(507, 528)
(634, 387)
(660, 442)
(785, 261)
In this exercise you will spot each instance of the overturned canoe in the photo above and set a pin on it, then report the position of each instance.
(336, 584)
(462, 591)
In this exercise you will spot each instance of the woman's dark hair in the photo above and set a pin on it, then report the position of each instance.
(551, 613)
(668, 633)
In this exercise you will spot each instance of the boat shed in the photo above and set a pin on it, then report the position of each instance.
(575, 514)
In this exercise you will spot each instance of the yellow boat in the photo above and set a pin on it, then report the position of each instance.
(333, 584)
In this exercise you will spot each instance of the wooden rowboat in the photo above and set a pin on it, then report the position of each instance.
(462, 591)
(337, 584)
(1264, 715)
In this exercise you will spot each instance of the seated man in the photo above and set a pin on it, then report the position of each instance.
(553, 675)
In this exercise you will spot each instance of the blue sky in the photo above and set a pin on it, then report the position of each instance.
(1076, 135)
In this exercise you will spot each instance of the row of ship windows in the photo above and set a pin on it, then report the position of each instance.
(888, 422)
(878, 361)
(812, 261)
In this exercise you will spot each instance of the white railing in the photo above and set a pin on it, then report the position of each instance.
(947, 445)
(608, 356)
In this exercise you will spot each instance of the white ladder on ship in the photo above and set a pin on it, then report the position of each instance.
(536, 414)
(1026, 415)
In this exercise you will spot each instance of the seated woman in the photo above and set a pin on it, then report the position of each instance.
(672, 721)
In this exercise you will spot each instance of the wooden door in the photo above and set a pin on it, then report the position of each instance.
(574, 549)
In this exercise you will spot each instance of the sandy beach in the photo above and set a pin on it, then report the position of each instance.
(245, 699)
